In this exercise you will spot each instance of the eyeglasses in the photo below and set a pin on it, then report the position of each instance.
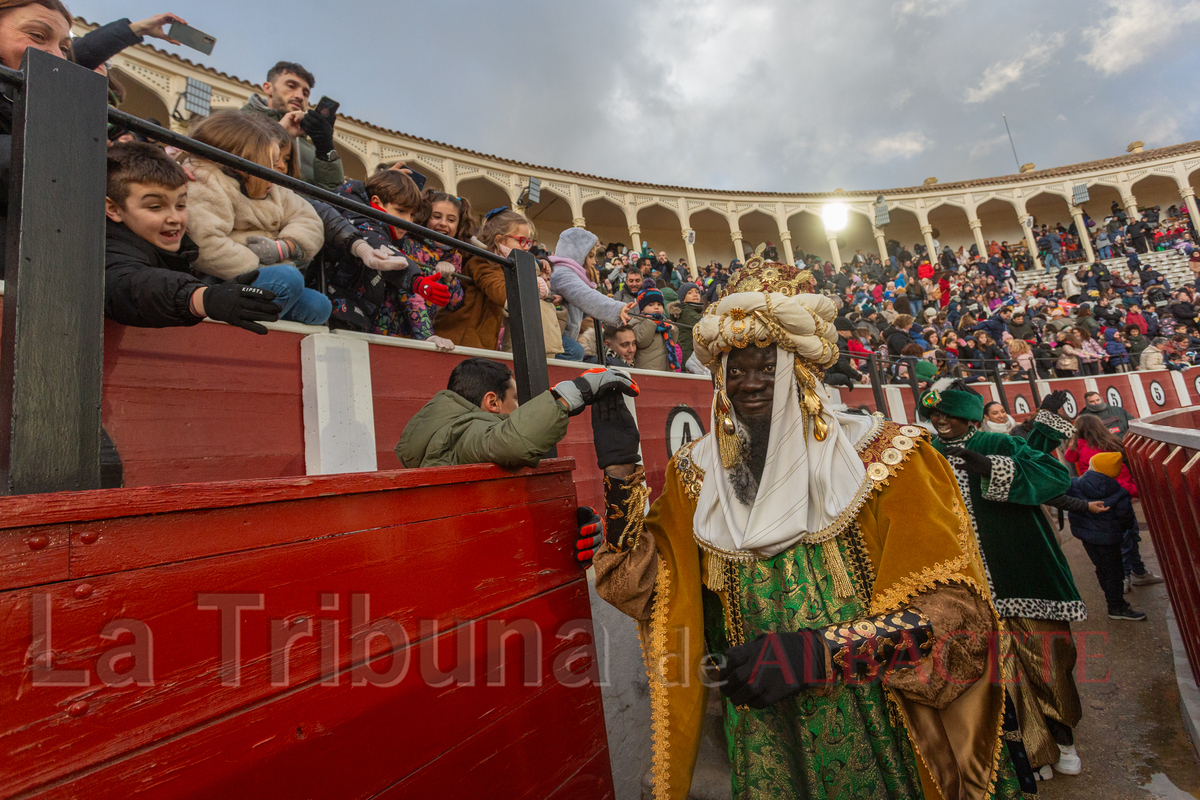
(523, 242)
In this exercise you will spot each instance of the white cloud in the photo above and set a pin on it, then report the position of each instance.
(986, 146)
(1134, 30)
(926, 8)
(1001, 75)
(901, 145)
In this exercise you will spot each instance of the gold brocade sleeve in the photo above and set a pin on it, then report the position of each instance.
(961, 622)
(919, 540)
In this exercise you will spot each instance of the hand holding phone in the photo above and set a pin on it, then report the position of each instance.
(188, 36)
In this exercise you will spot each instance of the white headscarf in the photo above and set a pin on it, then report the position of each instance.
(809, 489)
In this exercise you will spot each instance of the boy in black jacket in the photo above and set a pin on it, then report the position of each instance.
(148, 277)
(1103, 531)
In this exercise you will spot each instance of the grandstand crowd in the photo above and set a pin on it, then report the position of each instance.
(189, 239)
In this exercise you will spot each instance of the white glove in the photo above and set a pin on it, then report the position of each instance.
(595, 383)
(383, 259)
(442, 344)
(445, 268)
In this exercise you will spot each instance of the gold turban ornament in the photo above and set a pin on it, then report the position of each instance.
(767, 304)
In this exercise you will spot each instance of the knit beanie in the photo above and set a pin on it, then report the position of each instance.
(843, 324)
(684, 288)
(1107, 463)
(575, 244)
(649, 296)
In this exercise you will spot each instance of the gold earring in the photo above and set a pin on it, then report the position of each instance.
(728, 443)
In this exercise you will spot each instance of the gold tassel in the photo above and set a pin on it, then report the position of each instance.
(810, 405)
(716, 580)
(837, 569)
(728, 443)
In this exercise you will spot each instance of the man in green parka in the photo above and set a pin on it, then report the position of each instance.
(1004, 481)
(476, 419)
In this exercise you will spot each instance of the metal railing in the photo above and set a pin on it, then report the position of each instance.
(51, 349)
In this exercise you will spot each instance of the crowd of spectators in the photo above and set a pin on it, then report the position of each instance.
(188, 238)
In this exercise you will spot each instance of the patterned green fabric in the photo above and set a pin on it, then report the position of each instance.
(828, 743)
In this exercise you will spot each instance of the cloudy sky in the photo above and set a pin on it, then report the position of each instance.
(771, 95)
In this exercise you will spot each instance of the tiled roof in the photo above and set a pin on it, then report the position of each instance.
(1054, 172)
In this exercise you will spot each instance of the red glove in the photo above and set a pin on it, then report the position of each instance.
(432, 290)
(591, 534)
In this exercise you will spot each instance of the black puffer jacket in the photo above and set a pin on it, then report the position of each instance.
(145, 286)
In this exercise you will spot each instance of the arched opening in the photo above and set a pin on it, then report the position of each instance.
(808, 236)
(713, 242)
(951, 227)
(857, 238)
(1048, 211)
(661, 231)
(352, 163)
(141, 100)
(483, 194)
(1001, 224)
(1101, 196)
(759, 228)
(904, 229)
(607, 220)
(552, 215)
(1156, 190)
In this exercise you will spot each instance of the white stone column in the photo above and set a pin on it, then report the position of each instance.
(977, 231)
(1189, 197)
(1030, 242)
(738, 249)
(835, 254)
(881, 243)
(635, 235)
(691, 251)
(339, 420)
(1081, 229)
(927, 232)
(579, 222)
(785, 242)
(1130, 203)
(450, 178)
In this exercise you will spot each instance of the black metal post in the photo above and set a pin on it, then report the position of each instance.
(600, 358)
(1033, 387)
(876, 384)
(999, 381)
(52, 348)
(529, 348)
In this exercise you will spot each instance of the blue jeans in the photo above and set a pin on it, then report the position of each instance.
(1131, 556)
(1106, 252)
(298, 303)
(1051, 260)
(572, 350)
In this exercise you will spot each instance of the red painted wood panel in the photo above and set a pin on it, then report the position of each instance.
(360, 741)
(30, 556)
(508, 545)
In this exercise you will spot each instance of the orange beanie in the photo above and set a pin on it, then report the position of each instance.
(1107, 463)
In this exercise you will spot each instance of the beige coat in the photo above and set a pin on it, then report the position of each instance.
(221, 217)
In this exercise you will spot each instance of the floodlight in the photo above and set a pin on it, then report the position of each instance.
(835, 215)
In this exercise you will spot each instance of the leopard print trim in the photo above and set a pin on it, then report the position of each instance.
(1037, 608)
(1056, 423)
(997, 485)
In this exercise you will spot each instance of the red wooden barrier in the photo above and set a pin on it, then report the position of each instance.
(144, 692)
(1164, 455)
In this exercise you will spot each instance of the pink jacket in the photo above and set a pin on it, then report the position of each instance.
(1081, 456)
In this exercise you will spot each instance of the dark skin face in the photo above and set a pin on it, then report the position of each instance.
(750, 382)
(948, 427)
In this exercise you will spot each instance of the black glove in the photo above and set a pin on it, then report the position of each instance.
(973, 462)
(591, 534)
(772, 667)
(614, 432)
(595, 383)
(320, 130)
(240, 304)
(1055, 401)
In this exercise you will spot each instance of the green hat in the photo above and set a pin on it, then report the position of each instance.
(926, 370)
(958, 401)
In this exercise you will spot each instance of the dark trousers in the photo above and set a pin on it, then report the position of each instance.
(1131, 554)
(1109, 571)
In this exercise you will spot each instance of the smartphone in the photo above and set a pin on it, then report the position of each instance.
(417, 177)
(190, 37)
(327, 108)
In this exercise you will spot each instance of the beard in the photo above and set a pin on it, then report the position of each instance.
(745, 476)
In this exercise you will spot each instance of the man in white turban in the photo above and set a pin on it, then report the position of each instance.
(826, 561)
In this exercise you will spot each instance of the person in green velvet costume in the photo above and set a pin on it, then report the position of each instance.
(1004, 480)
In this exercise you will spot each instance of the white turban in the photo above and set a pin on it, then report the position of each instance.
(801, 324)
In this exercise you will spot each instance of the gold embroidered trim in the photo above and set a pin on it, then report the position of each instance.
(656, 654)
(691, 475)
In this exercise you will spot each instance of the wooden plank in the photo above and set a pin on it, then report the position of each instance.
(594, 779)
(30, 556)
(445, 570)
(23, 511)
(347, 741)
(131, 542)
